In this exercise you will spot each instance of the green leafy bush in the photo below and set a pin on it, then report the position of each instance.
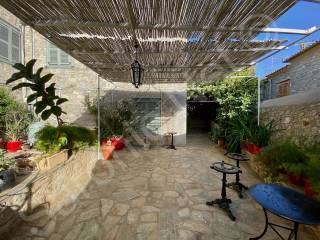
(282, 156)
(53, 139)
(14, 117)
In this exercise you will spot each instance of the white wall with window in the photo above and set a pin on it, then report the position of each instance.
(10, 43)
(56, 57)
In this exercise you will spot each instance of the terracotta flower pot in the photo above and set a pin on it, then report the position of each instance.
(104, 141)
(118, 143)
(107, 151)
(221, 142)
(13, 146)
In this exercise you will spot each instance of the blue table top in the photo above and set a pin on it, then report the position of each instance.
(287, 203)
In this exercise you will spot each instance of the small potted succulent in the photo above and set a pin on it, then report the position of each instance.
(7, 171)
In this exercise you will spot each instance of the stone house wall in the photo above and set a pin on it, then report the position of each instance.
(78, 81)
(297, 115)
(303, 72)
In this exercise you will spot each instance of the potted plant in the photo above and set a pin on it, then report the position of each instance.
(16, 123)
(107, 150)
(115, 120)
(7, 172)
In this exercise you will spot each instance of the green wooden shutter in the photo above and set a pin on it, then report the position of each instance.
(15, 46)
(4, 41)
(53, 53)
(147, 115)
(64, 58)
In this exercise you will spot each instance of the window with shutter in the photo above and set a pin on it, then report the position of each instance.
(9, 43)
(15, 47)
(57, 57)
(283, 88)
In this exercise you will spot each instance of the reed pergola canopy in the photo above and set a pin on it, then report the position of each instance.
(179, 41)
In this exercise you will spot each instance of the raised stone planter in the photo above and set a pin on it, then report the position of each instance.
(47, 190)
(48, 162)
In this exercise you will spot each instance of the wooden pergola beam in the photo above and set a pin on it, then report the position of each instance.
(131, 24)
(101, 65)
(222, 50)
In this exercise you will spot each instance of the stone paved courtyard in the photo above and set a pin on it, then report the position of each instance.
(154, 194)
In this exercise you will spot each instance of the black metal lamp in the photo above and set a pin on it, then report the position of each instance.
(136, 71)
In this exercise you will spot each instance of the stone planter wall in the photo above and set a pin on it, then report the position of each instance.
(42, 194)
(50, 162)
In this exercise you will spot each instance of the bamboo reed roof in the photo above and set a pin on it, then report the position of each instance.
(180, 40)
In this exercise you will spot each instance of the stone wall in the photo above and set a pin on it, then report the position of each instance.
(297, 115)
(42, 194)
(303, 72)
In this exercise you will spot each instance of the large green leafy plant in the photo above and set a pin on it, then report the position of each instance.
(47, 102)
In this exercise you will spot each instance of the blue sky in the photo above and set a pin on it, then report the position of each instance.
(303, 15)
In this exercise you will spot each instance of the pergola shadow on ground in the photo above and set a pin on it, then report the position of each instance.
(156, 194)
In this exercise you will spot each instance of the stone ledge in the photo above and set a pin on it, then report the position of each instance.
(312, 96)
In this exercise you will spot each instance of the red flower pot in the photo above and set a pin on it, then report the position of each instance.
(13, 146)
(118, 143)
(308, 188)
(295, 180)
(252, 148)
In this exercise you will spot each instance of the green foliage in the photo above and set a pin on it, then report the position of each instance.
(115, 118)
(261, 134)
(284, 155)
(312, 171)
(6, 103)
(6, 163)
(17, 122)
(53, 139)
(217, 132)
(236, 94)
(14, 117)
(47, 102)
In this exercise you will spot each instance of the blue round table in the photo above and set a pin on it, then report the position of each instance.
(288, 204)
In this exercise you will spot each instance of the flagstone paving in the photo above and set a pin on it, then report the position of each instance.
(155, 194)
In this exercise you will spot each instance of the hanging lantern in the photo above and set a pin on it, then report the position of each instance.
(136, 71)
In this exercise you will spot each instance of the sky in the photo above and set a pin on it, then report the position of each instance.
(303, 15)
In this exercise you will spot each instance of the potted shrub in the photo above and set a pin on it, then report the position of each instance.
(115, 120)
(7, 172)
(16, 123)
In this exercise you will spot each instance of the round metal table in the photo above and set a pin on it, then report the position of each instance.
(223, 202)
(288, 204)
(237, 185)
